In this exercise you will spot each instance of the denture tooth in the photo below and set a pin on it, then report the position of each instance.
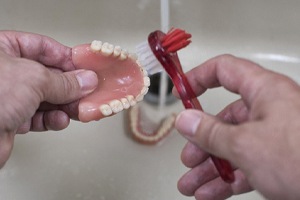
(139, 97)
(125, 103)
(146, 81)
(144, 90)
(106, 110)
(131, 100)
(138, 63)
(132, 56)
(116, 106)
(145, 136)
(124, 55)
(145, 73)
(117, 51)
(107, 49)
(96, 45)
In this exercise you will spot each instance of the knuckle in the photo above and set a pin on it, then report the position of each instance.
(225, 58)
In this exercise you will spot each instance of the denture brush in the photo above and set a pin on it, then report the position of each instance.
(160, 53)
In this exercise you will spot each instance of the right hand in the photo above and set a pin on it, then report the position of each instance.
(259, 134)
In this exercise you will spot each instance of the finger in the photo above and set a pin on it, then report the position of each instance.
(196, 177)
(235, 113)
(217, 189)
(43, 121)
(39, 48)
(71, 109)
(213, 135)
(69, 86)
(6, 145)
(235, 74)
(45, 106)
(52, 120)
(192, 155)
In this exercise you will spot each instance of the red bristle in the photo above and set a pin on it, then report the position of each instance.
(178, 46)
(175, 40)
(172, 32)
(179, 37)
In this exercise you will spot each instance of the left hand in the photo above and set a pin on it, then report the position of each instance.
(39, 86)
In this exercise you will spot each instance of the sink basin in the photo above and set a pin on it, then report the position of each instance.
(99, 160)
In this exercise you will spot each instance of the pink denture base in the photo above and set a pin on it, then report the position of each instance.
(118, 78)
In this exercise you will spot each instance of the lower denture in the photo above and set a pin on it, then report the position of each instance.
(153, 133)
(122, 81)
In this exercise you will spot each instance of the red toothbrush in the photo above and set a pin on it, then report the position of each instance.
(160, 52)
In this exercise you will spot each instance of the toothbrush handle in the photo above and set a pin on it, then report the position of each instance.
(190, 100)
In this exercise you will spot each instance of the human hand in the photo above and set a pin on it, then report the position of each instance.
(259, 134)
(39, 86)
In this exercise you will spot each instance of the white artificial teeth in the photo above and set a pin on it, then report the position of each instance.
(131, 100)
(117, 51)
(96, 45)
(144, 72)
(138, 62)
(124, 55)
(144, 90)
(139, 97)
(146, 136)
(107, 49)
(116, 106)
(132, 56)
(146, 81)
(125, 103)
(106, 110)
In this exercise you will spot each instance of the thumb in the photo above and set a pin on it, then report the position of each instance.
(70, 86)
(207, 132)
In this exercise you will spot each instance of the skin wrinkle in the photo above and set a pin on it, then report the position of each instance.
(235, 113)
(7, 46)
(19, 47)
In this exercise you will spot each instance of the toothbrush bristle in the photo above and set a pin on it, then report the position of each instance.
(175, 40)
(148, 59)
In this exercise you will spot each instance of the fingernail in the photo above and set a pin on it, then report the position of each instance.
(187, 122)
(87, 80)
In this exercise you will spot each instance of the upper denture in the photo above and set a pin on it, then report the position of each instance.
(122, 80)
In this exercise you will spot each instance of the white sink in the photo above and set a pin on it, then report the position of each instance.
(98, 160)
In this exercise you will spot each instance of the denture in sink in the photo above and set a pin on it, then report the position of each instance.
(122, 80)
(144, 130)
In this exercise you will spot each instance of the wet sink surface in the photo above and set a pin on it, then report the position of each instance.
(99, 160)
